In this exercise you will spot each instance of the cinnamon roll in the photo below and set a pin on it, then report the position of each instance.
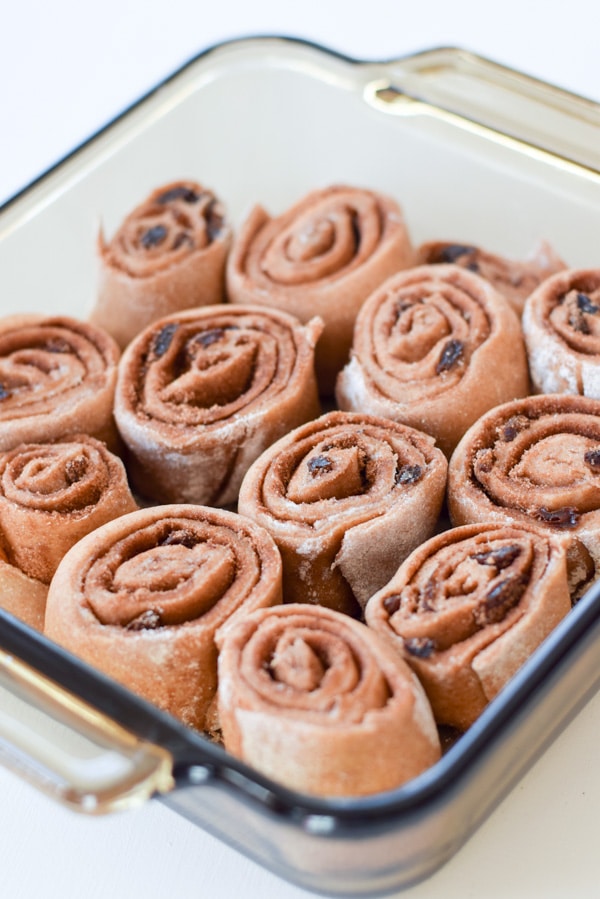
(22, 596)
(143, 596)
(434, 347)
(323, 256)
(514, 279)
(320, 703)
(202, 393)
(57, 377)
(346, 498)
(52, 494)
(468, 607)
(168, 254)
(561, 324)
(535, 460)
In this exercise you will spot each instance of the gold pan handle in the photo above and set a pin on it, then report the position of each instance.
(69, 750)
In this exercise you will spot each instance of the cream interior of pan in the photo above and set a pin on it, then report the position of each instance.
(258, 123)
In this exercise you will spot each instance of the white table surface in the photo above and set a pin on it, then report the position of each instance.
(65, 69)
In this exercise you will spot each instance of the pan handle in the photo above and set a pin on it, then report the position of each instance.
(69, 750)
(476, 93)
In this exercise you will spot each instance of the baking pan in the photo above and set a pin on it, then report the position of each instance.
(473, 152)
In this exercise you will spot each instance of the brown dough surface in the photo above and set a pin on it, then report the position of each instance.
(536, 461)
(346, 498)
(561, 324)
(514, 279)
(202, 393)
(52, 494)
(468, 607)
(22, 596)
(323, 256)
(168, 254)
(320, 703)
(142, 597)
(57, 377)
(434, 347)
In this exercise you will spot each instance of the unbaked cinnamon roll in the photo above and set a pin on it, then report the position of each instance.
(57, 377)
(202, 393)
(346, 498)
(561, 324)
(21, 595)
(52, 494)
(535, 460)
(514, 279)
(168, 254)
(468, 607)
(318, 702)
(434, 347)
(323, 256)
(142, 597)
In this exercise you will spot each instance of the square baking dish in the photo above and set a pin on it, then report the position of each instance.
(474, 153)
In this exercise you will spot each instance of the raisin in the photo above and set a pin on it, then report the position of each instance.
(585, 304)
(153, 236)
(452, 252)
(578, 322)
(318, 464)
(181, 192)
(512, 428)
(568, 517)
(392, 603)
(214, 221)
(355, 231)
(163, 339)
(408, 474)
(147, 621)
(420, 647)
(183, 537)
(592, 457)
(451, 354)
(57, 345)
(499, 558)
(401, 307)
(499, 601)
(207, 338)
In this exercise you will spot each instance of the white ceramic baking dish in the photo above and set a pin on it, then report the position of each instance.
(474, 153)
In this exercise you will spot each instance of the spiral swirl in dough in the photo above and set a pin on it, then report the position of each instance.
(142, 597)
(434, 347)
(561, 324)
(318, 702)
(202, 393)
(346, 498)
(168, 254)
(57, 377)
(535, 460)
(52, 494)
(468, 607)
(323, 256)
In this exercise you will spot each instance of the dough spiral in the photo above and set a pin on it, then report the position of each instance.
(536, 461)
(317, 701)
(434, 347)
(202, 393)
(323, 256)
(57, 377)
(143, 596)
(168, 254)
(346, 497)
(468, 607)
